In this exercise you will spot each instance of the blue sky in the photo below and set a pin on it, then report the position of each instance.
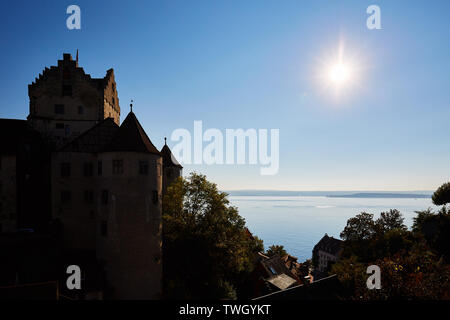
(253, 64)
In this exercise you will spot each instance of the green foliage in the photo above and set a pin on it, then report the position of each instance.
(276, 250)
(414, 264)
(207, 250)
(442, 195)
(435, 228)
(412, 274)
(359, 228)
(420, 219)
(390, 220)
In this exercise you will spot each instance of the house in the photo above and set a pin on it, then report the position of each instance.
(326, 251)
(271, 274)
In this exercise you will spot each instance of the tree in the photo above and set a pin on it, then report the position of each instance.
(420, 219)
(359, 228)
(276, 250)
(207, 250)
(435, 228)
(442, 195)
(390, 220)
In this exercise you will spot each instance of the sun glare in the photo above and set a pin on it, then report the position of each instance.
(339, 72)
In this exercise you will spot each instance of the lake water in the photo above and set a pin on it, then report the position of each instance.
(299, 222)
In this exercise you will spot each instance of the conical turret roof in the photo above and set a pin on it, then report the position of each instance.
(132, 137)
(168, 158)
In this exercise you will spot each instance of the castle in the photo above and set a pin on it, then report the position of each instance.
(97, 182)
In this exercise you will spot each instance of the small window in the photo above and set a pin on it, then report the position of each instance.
(104, 197)
(100, 168)
(104, 228)
(272, 270)
(80, 109)
(67, 90)
(59, 125)
(155, 197)
(117, 166)
(88, 196)
(114, 101)
(88, 169)
(65, 196)
(143, 167)
(59, 108)
(65, 169)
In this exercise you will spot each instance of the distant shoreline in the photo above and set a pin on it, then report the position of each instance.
(334, 194)
(381, 195)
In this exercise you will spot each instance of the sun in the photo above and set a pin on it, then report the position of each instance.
(340, 73)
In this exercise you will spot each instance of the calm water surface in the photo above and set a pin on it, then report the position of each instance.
(298, 223)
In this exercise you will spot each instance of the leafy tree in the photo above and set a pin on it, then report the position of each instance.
(414, 265)
(390, 220)
(435, 228)
(207, 250)
(359, 228)
(412, 274)
(420, 219)
(276, 249)
(442, 195)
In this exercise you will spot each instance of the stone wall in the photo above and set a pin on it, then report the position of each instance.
(123, 221)
(65, 101)
(131, 246)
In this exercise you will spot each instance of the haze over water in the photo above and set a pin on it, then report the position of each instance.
(299, 222)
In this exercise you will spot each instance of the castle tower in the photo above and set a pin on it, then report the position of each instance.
(107, 194)
(130, 210)
(171, 168)
(65, 101)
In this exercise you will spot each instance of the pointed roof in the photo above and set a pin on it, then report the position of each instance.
(131, 137)
(329, 244)
(168, 158)
(93, 139)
